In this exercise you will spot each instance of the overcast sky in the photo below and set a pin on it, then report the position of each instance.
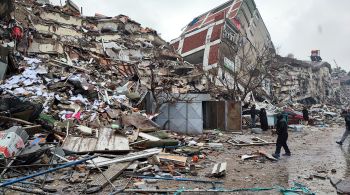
(296, 26)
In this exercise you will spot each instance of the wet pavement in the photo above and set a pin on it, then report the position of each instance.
(314, 155)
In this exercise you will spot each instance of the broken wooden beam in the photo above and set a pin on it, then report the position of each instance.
(176, 159)
(252, 144)
(148, 137)
(4, 118)
(112, 173)
(129, 157)
(180, 179)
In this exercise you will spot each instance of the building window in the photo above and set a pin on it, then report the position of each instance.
(254, 24)
(251, 33)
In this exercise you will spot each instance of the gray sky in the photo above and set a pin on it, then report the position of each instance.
(296, 26)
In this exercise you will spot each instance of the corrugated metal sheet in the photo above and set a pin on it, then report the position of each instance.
(184, 117)
(106, 141)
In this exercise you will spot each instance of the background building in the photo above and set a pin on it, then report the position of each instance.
(201, 39)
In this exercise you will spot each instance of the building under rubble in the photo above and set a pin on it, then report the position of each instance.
(302, 81)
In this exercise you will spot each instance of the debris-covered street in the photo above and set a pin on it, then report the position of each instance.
(104, 105)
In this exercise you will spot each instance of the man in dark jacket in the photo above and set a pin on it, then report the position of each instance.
(263, 119)
(252, 115)
(305, 114)
(282, 132)
(347, 128)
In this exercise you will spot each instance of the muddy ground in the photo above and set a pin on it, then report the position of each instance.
(314, 152)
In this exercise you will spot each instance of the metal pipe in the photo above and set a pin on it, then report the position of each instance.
(16, 180)
(33, 165)
(198, 190)
(180, 179)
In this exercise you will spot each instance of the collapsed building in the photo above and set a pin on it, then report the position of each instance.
(341, 86)
(233, 45)
(200, 42)
(302, 81)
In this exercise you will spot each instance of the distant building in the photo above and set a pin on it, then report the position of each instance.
(200, 42)
(306, 82)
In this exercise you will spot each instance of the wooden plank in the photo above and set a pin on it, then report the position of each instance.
(87, 144)
(148, 137)
(176, 159)
(112, 173)
(107, 141)
(264, 141)
(72, 143)
(252, 144)
(126, 158)
(4, 118)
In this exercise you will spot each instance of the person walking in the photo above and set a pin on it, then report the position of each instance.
(282, 137)
(252, 115)
(305, 114)
(347, 127)
(263, 119)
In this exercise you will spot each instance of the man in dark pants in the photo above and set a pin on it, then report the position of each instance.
(346, 115)
(252, 115)
(305, 114)
(263, 119)
(282, 132)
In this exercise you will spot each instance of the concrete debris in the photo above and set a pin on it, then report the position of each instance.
(92, 103)
(219, 170)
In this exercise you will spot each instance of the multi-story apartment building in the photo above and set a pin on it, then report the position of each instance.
(200, 42)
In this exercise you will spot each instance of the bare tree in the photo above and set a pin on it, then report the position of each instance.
(161, 86)
(252, 67)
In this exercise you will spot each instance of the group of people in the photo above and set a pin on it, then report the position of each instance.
(282, 128)
(262, 115)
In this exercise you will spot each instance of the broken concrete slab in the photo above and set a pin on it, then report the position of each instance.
(219, 170)
(342, 186)
(140, 122)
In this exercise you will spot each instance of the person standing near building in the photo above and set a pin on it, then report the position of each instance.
(347, 126)
(252, 115)
(263, 119)
(282, 137)
(305, 114)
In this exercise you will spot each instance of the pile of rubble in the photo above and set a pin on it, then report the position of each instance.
(73, 92)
